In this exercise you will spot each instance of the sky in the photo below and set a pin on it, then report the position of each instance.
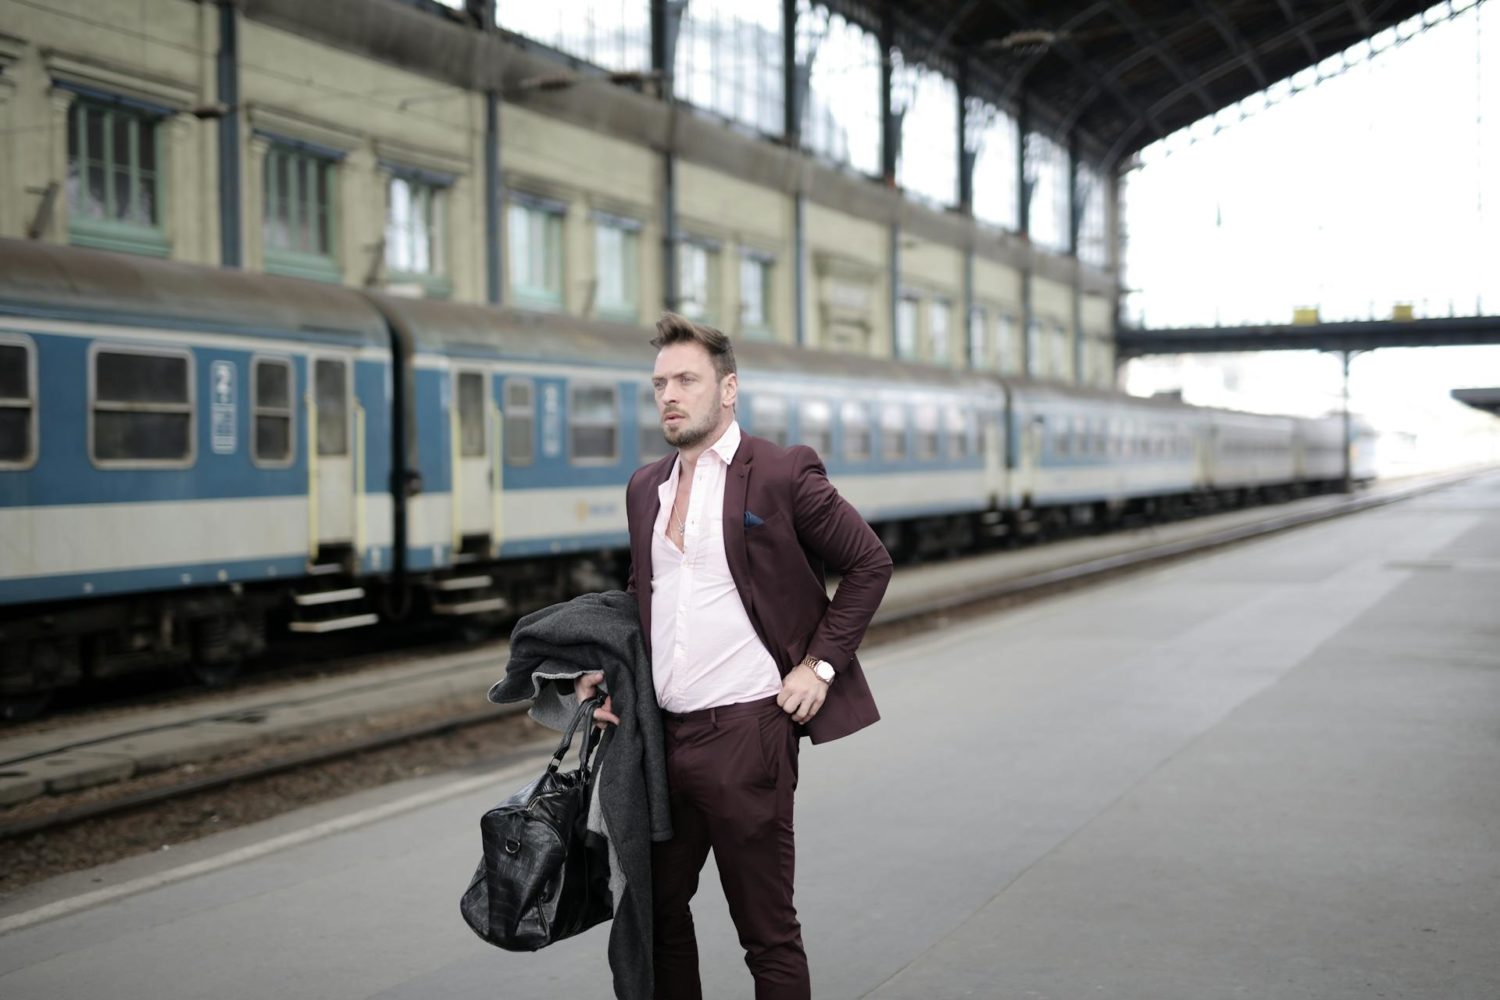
(1376, 186)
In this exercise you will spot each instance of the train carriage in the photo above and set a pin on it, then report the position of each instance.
(186, 453)
(194, 435)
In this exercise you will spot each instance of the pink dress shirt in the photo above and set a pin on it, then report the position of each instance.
(704, 651)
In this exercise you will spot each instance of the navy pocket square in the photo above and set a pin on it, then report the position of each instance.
(751, 521)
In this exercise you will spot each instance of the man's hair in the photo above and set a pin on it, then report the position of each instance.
(675, 329)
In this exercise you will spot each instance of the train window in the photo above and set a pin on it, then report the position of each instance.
(520, 421)
(960, 432)
(17, 405)
(271, 423)
(815, 419)
(768, 415)
(893, 432)
(926, 418)
(653, 445)
(1063, 439)
(331, 395)
(856, 420)
(142, 408)
(593, 424)
(471, 414)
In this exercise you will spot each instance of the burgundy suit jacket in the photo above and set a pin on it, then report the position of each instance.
(777, 565)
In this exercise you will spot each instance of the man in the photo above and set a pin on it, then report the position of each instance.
(728, 538)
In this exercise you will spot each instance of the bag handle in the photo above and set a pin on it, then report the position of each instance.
(585, 711)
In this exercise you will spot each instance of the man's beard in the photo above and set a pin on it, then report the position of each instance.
(688, 433)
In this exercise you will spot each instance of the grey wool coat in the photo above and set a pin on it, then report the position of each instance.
(549, 650)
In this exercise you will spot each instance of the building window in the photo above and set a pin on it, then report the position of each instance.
(856, 421)
(416, 234)
(520, 421)
(614, 34)
(815, 426)
(593, 424)
(536, 253)
(1005, 347)
(906, 327)
(299, 192)
(652, 444)
(942, 319)
(729, 61)
(927, 101)
(142, 408)
(1033, 360)
(893, 433)
(841, 113)
(17, 405)
(993, 138)
(927, 433)
(471, 415)
(768, 419)
(114, 179)
(979, 338)
(273, 442)
(698, 280)
(755, 295)
(617, 268)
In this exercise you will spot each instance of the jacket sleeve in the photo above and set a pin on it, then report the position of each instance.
(830, 526)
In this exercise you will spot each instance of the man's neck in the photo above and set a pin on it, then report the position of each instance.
(689, 456)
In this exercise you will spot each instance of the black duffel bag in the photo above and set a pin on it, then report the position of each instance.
(544, 876)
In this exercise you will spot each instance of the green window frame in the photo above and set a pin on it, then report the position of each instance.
(299, 219)
(535, 249)
(756, 294)
(114, 183)
(698, 280)
(617, 268)
(416, 232)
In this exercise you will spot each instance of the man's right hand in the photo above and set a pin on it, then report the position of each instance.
(585, 687)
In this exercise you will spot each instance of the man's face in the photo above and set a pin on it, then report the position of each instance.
(690, 399)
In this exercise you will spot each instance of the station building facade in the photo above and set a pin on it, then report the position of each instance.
(392, 144)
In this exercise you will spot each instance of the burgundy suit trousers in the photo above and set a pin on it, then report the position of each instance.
(732, 772)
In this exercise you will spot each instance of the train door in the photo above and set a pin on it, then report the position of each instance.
(1028, 471)
(992, 451)
(473, 469)
(332, 462)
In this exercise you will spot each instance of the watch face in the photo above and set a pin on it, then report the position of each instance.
(824, 669)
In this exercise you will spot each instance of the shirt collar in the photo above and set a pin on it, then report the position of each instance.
(726, 448)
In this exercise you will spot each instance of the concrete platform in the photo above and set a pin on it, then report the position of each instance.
(1270, 772)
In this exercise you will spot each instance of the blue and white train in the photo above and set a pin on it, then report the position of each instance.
(187, 454)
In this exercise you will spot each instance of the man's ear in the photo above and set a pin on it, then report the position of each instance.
(729, 392)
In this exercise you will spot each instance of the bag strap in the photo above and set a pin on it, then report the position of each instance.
(585, 712)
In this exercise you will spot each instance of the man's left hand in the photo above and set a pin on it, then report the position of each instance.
(802, 693)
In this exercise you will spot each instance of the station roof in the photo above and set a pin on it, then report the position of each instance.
(1125, 73)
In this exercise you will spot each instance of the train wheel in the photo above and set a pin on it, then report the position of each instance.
(221, 644)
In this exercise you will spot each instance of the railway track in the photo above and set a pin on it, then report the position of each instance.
(909, 615)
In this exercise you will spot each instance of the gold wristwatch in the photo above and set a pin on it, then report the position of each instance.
(822, 668)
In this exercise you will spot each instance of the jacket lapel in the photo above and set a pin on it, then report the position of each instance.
(641, 541)
(736, 486)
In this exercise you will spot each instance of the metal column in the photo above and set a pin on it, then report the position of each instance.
(665, 16)
(231, 253)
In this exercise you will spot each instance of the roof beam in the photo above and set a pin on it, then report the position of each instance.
(1158, 47)
(1296, 23)
(1069, 51)
(1282, 39)
(1361, 17)
(1236, 41)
